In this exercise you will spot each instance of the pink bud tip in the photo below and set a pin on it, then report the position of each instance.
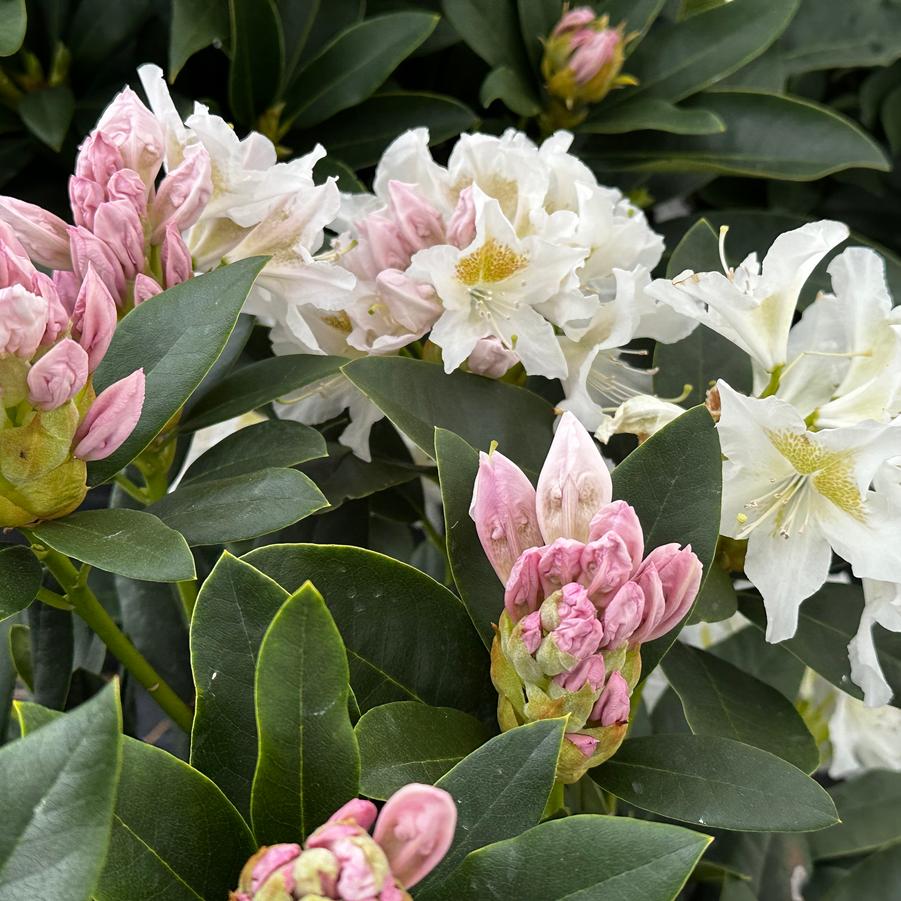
(491, 358)
(357, 810)
(89, 250)
(524, 590)
(621, 518)
(128, 125)
(183, 193)
(530, 631)
(461, 227)
(176, 257)
(382, 242)
(57, 314)
(622, 615)
(573, 19)
(412, 305)
(23, 319)
(679, 573)
(42, 234)
(98, 158)
(85, 195)
(419, 222)
(593, 50)
(605, 565)
(415, 830)
(111, 418)
(145, 288)
(591, 670)
(578, 632)
(15, 267)
(612, 706)
(585, 743)
(58, 376)
(94, 317)
(273, 858)
(117, 224)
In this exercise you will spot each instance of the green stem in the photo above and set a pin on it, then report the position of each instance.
(773, 384)
(92, 612)
(53, 599)
(187, 591)
(132, 490)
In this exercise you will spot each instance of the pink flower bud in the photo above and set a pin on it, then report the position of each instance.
(524, 590)
(590, 670)
(605, 566)
(612, 706)
(176, 257)
(131, 127)
(461, 227)
(94, 318)
(42, 234)
(183, 193)
(57, 314)
(145, 288)
(574, 483)
(574, 19)
(117, 224)
(621, 518)
(58, 376)
(273, 858)
(67, 285)
(126, 184)
(98, 158)
(648, 580)
(531, 632)
(419, 222)
(679, 571)
(384, 242)
(111, 418)
(23, 319)
(560, 564)
(578, 631)
(622, 616)
(585, 743)
(503, 509)
(410, 304)
(592, 50)
(415, 829)
(358, 810)
(89, 250)
(360, 877)
(15, 267)
(490, 358)
(85, 195)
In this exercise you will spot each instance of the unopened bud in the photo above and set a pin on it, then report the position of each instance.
(461, 227)
(176, 257)
(420, 224)
(23, 319)
(42, 234)
(85, 195)
(414, 306)
(111, 418)
(183, 193)
(134, 130)
(98, 158)
(58, 376)
(89, 250)
(491, 358)
(94, 318)
(612, 706)
(145, 288)
(622, 615)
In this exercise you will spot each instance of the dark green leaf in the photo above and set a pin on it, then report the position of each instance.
(176, 337)
(715, 782)
(418, 397)
(500, 790)
(637, 15)
(330, 19)
(52, 650)
(19, 645)
(771, 860)
(294, 376)
(57, 791)
(99, 29)
(7, 679)
(47, 114)
(353, 66)
(476, 580)
(720, 699)
(767, 662)
(870, 878)
(407, 637)
(537, 19)
(330, 167)
(273, 443)
(506, 84)
(308, 763)
(233, 611)
(20, 579)
(257, 59)
(581, 857)
(654, 114)
(195, 24)
(717, 599)
(13, 21)
(407, 742)
(297, 18)
(674, 480)
(490, 29)
(132, 543)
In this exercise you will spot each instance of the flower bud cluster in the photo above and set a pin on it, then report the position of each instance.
(580, 595)
(341, 860)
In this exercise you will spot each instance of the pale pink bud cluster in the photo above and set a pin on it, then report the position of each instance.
(341, 860)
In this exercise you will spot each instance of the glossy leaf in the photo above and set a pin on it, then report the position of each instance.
(638, 15)
(653, 114)
(407, 637)
(490, 29)
(506, 84)
(274, 443)
(581, 857)
(233, 610)
(20, 578)
(19, 646)
(537, 19)
(407, 742)
(500, 790)
(132, 543)
(257, 57)
(57, 792)
(751, 653)
(475, 578)
(293, 376)
(353, 66)
(51, 657)
(720, 699)
(48, 113)
(297, 20)
(13, 22)
(717, 599)
(195, 24)
(176, 337)
(715, 782)
(308, 763)
(870, 878)
(418, 397)
(216, 511)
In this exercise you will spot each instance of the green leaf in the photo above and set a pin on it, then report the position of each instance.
(360, 135)
(766, 136)
(715, 782)
(418, 397)
(537, 19)
(198, 853)
(330, 19)
(654, 114)
(490, 29)
(506, 84)
(293, 376)
(674, 482)
(216, 511)
(826, 623)
(19, 643)
(308, 764)
(407, 742)
(20, 578)
(257, 59)
(698, 249)
(500, 790)
(870, 878)
(717, 599)
(297, 18)
(47, 114)
(7, 678)
(132, 543)
(52, 654)
(766, 662)
(274, 443)
(677, 60)
(721, 700)
(475, 578)
(353, 66)
(99, 29)
(176, 337)
(195, 24)
(234, 608)
(407, 637)
(868, 807)
(57, 791)
(770, 859)
(637, 15)
(633, 861)
(329, 167)
(13, 22)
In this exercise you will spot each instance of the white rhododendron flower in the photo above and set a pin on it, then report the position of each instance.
(863, 738)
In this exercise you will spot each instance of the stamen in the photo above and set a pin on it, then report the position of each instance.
(724, 230)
